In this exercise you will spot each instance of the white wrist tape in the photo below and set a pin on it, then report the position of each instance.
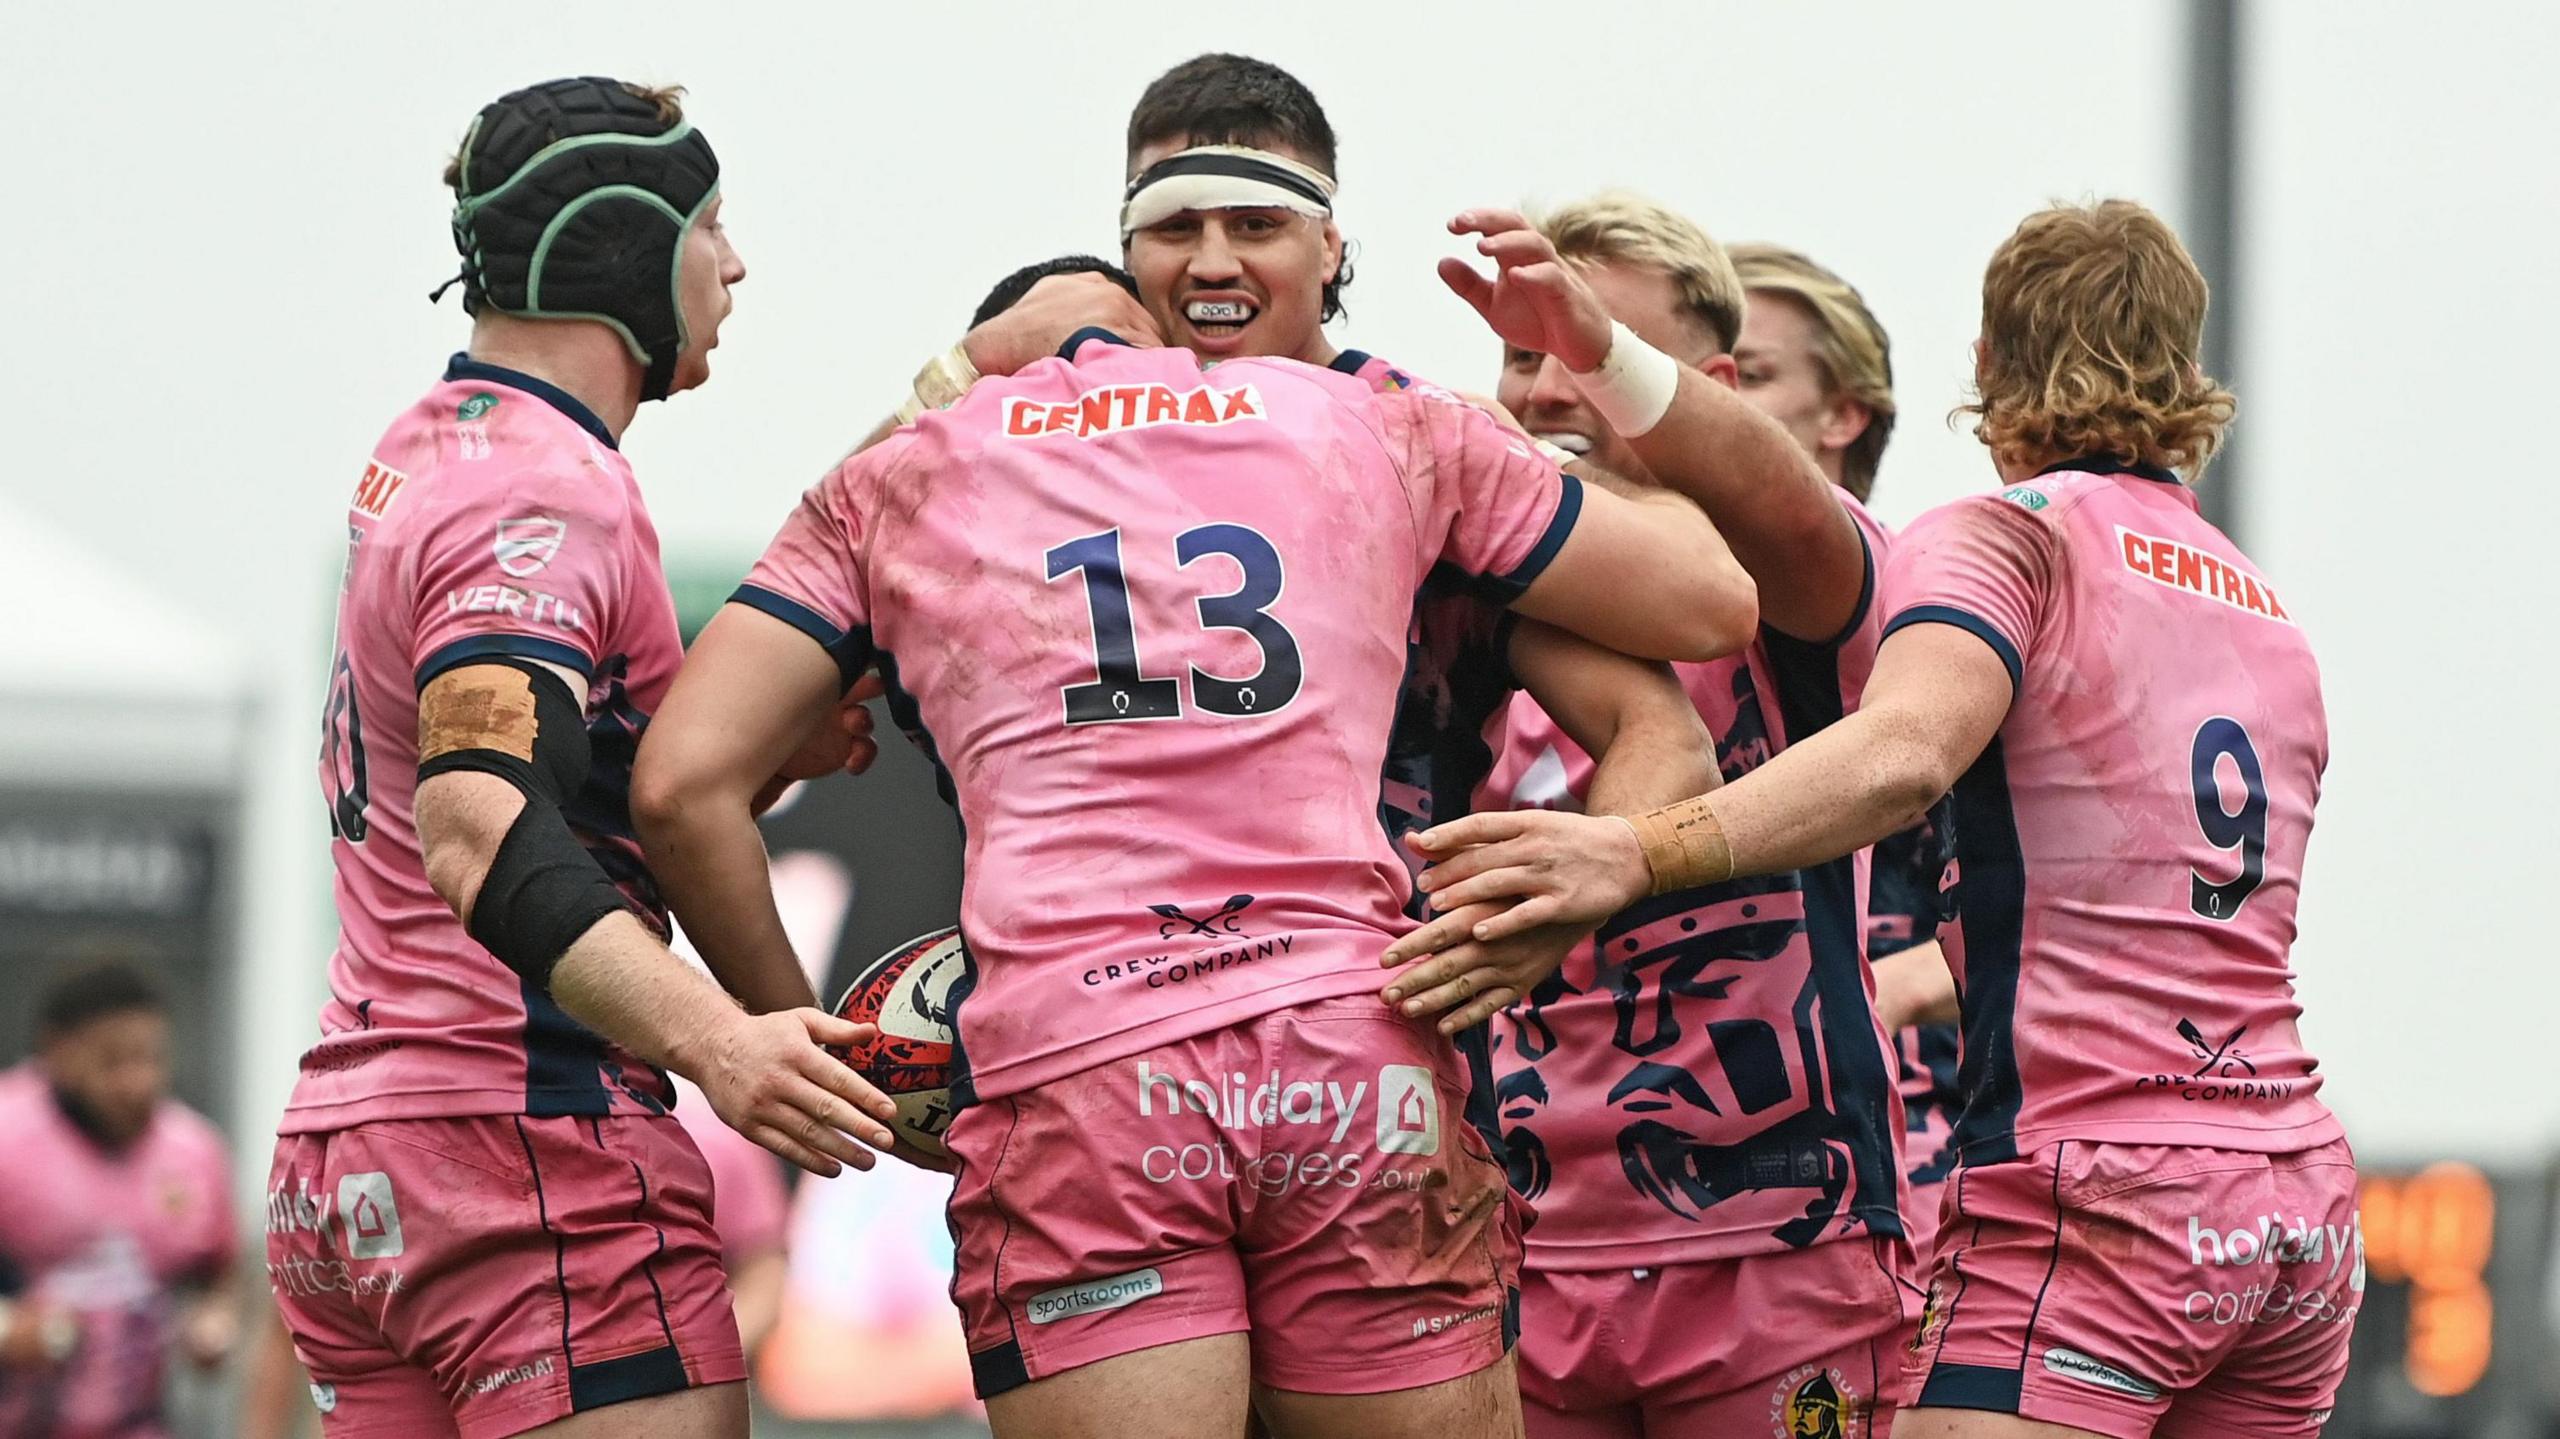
(1633, 387)
(940, 384)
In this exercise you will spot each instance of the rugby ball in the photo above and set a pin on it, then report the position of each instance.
(907, 994)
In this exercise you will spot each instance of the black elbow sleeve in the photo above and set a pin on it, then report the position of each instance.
(542, 890)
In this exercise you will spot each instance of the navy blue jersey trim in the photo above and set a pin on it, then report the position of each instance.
(463, 367)
(1085, 336)
(2110, 465)
(522, 647)
(851, 649)
(1866, 587)
(1349, 362)
(563, 1060)
(1992, 910)
(1559, 528)
(1807, 679)
(1972, 1386)
(1972, 624)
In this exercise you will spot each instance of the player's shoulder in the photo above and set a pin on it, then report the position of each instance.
(484, 434)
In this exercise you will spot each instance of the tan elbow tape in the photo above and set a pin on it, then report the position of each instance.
(1684, 846)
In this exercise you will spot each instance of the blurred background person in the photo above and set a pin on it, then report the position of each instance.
(116, 1231)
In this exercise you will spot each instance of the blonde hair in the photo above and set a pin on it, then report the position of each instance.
(1622, 228)
(2093, 340)
(1849, 343)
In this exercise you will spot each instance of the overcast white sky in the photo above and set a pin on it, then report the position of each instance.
(229, 216)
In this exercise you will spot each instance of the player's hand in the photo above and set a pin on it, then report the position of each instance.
(1534, 300)
(770, 1078)
(1561, 868)
(1053, 309)
(840, 740)
(1471, 979)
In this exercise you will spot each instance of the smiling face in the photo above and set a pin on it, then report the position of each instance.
(1232, 282)
(1536, 388)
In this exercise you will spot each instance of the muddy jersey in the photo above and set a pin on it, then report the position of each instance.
(2131, 841)
(495, 518)
(1150, 618)
(1706, 1078)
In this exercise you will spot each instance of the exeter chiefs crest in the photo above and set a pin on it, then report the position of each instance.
(1814, 1403)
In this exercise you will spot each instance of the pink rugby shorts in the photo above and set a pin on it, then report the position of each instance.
(1308, 1178)
(496, 1273)
(2137, 1289)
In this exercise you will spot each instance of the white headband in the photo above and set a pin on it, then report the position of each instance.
(1223, 177)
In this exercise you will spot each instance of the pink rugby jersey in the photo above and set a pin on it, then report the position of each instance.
(107, 1238)
(1707, 1079)
(2131, 842)
(496, 518)
(1150, 618)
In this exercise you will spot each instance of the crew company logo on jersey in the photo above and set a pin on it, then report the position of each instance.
(1129, 407)
(375, 491)
(2184, 567)
(2223, 1071)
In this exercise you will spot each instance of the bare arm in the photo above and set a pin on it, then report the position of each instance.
(767, 1078)
(1914, 986)
(1648, 745)
(1936, 698)
(750, 688)
(1652, 750)
(1697, 603)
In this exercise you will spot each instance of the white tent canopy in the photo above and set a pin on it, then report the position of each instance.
(103, 683)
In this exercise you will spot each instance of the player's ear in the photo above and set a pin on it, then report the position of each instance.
(1722, 368)
(1332, 252)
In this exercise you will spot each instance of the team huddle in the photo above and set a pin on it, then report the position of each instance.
(1531, 914)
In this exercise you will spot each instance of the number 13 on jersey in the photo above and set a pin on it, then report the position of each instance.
(1120, 689)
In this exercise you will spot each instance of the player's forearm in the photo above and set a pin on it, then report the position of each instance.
(1647, 768)
(1772, 506)
(619, 981)
(709, 860)
(1914, 986)
(1833, 793)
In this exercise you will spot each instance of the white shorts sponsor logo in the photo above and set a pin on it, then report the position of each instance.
(310, 1278)
(522, 1372)
(368, 1217)
(1408, 1110)
(2324, 1266)
(1094, 1295)
(1406, 1122)
(2072, 1364)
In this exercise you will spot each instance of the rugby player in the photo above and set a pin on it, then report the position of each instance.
(2152, 1227)
(1150, 618)
(1699, 1101)
(1230, 233)
(1814, 358)
(116, 1232)
(481, 1216)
